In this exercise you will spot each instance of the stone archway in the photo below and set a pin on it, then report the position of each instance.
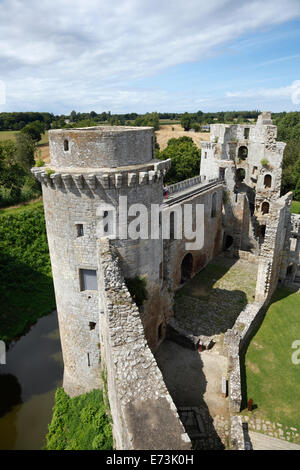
(186, 268)
(228, 242)
(242, 153)
(267, 181)
(265, 207)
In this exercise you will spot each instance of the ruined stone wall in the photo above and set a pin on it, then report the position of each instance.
(272, 249)
(175, 250)
(250, 158)
(144, 415)
(290, 267)
(236, 342)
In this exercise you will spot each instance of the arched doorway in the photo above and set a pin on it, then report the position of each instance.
(228, 242)
(242, 153)
(240, 175)
(186, 268)
(260, 233)
(267, 181)
(265, 207)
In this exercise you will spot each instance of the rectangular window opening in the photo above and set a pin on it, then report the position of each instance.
(88, 279)
(79, 228)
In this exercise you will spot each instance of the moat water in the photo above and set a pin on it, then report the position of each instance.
(28, 381)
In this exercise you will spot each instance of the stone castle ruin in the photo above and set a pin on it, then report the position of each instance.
(107, 340)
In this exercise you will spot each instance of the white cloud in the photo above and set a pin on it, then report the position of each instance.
(65, 54)
(292, 91)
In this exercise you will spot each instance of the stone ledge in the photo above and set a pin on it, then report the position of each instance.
(107, 180)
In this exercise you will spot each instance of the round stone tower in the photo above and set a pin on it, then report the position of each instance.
(91, 167)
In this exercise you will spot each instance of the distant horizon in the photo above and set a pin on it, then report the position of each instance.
(155, 111)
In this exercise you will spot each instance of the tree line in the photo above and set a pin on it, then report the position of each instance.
(17, 157)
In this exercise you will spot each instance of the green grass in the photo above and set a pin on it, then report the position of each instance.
(23, 206)
(8, 135)
(163, 122)
(26, 287)
(295, 207)
(11, 135)
(79, 423)
(273, 381)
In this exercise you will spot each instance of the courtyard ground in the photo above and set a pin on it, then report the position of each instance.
(194, 382)
(210, 303)
(206, 305)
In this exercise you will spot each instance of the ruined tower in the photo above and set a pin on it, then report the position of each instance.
(249, 158)
(90, 167)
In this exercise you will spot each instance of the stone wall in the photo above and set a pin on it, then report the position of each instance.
(174, 250)
(144, 415)
(236, 341)
(272, 249)
(101, 147)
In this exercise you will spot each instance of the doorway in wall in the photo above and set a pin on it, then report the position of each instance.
(186, 268)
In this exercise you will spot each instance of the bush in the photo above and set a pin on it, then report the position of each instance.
(264, 162)
(79, 423)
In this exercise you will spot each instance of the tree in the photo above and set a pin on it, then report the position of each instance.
(12, 174)
(25, 148)
(73, 116)
(148, 119)
(185, 157)
(34, 130)
(186, 121)
(297, 188)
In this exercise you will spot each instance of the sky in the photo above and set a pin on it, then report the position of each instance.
(149, 55)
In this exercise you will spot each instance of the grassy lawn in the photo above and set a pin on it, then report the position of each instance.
(273, 381)
(11, 135)
(8, 135)
(295, 208)
(22, 206)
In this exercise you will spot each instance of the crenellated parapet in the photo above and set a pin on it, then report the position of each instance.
(127, 177)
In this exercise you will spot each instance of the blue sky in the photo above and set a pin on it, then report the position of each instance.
(141, 55)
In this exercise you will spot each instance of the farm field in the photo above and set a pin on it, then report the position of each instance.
(166, 133)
